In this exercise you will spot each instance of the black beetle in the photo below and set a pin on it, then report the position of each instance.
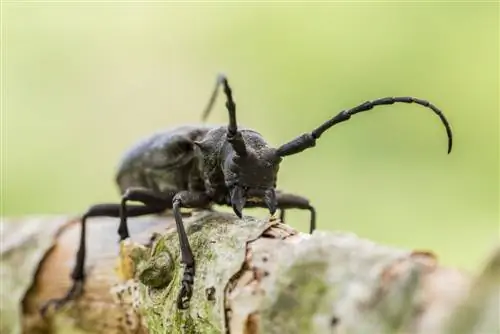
(198, 166)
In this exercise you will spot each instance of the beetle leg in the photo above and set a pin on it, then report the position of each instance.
(291, 201)
(78, 273)
(282, 215)
(187, 199)
(160, 201)
(287, 201)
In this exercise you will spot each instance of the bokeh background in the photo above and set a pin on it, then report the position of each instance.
(83, 81)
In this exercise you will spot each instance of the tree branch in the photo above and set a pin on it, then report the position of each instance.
(252, 276)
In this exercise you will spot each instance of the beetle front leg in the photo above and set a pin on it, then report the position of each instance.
(187, 199)
(285, 201)
(290, 201)
(282, 215)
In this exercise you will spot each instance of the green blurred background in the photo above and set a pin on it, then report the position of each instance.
(82, 82)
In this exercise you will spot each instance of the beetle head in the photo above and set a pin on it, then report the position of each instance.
(249, 166)
(252, 178)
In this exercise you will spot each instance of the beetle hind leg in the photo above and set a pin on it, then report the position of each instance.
(78, 273)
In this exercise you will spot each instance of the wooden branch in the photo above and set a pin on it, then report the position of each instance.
(252, 276)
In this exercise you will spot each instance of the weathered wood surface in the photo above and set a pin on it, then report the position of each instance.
(252, 276)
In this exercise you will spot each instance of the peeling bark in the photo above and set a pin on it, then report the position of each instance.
(252, 276)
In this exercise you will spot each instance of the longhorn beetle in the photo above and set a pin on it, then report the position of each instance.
(198, 166)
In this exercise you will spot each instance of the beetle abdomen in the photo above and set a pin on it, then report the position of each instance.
(162, 161)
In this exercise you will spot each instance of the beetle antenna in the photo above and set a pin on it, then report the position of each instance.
(308, 140)
(233, 135)
(211, 102)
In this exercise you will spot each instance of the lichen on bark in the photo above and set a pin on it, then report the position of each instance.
(217, 241)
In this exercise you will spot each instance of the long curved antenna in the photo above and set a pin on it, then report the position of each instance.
(308, 140)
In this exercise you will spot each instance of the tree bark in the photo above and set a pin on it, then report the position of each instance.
(252, 276)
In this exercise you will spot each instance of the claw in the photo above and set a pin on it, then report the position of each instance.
(184, 296)
(186, 291)
(75, 291)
